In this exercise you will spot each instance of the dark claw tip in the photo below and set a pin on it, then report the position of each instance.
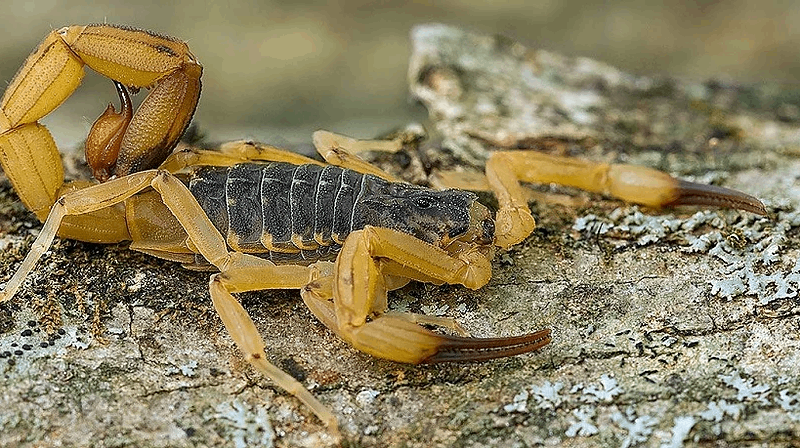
(458, 349)
(690, 193)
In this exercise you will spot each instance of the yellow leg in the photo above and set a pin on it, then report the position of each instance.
(232, 153)
(239, 272)
(79, 202)
(334, 148)
(356, 291)
(627, 182)
(460, 180)
(247, 338)
(339, 150)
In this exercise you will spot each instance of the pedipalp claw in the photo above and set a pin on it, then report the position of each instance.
(398, 338)
(459, 349)
(691, 193)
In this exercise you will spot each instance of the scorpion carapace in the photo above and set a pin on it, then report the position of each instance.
(301, 214)
(265, 218)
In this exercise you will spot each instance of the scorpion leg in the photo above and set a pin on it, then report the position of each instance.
(239, 272)
(460, 180)
(249, 340)
(339, 150)
(232, 153)
(475, 181)
(318, 296)
(358, 284)
(79, 202)
(334, 148)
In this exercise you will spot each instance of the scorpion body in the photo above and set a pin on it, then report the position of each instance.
(301, 214)
(265, 218)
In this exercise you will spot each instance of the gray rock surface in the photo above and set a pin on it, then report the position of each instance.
(671, 328)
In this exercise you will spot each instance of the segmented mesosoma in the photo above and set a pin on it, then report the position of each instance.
(300, 214)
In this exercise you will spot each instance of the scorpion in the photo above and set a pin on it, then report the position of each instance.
(343, 233)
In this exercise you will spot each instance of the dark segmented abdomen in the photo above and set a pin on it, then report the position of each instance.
(243, 192)
(349, 189)
(303, 197)
(276, 182)
(327, 189)
(287, 213)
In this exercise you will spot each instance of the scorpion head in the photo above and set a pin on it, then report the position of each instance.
(437, 217)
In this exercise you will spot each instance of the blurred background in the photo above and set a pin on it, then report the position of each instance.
(276, 71)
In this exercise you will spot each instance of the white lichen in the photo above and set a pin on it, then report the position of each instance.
(749, 247)
(366, 397)
(746, 389)
(547, 395)
(75, 341)
(434, 310)
(188, 369)
(790, 403)
(718, 409)
(592, 224)
(248, 427)
(629, 223)
(605, 393)
(519, 403)
(638, 428)
(680, 431)
(583, 426)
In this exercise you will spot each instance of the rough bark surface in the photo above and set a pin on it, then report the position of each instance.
(675, 327)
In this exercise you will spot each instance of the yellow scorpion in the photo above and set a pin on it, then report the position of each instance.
(343, 233)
